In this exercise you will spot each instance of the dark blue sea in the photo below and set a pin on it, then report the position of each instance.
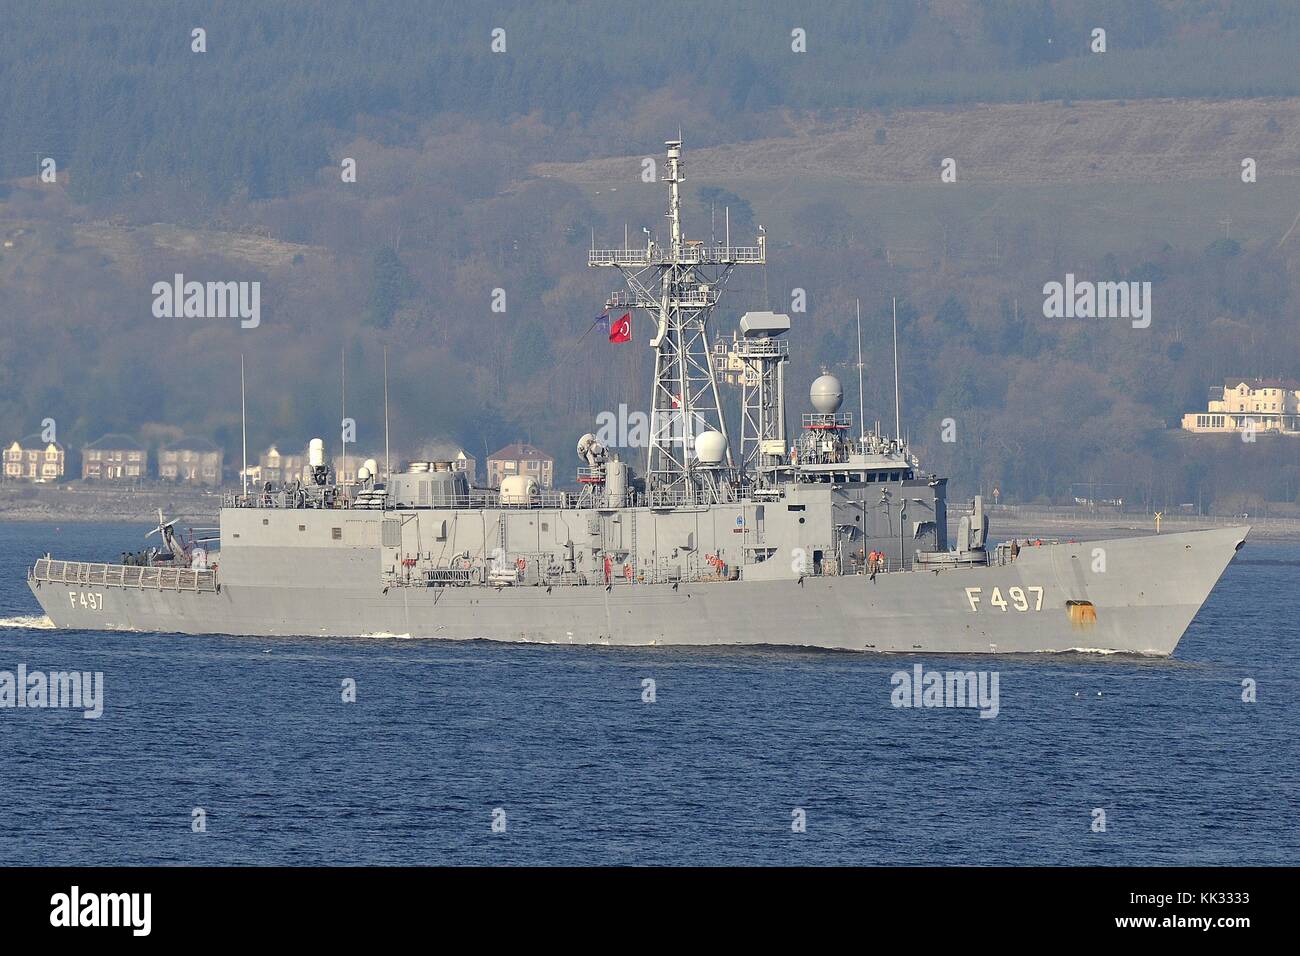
(254, 732)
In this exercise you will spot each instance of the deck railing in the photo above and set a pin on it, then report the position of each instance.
(690, 253)
(84, 573)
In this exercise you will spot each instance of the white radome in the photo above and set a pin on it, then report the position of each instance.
(518, 489)
(826, 394)
(710, 447)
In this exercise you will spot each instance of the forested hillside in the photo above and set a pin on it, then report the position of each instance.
(479, 170)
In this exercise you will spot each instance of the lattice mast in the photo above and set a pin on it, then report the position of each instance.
(677, 288)
(762, 354)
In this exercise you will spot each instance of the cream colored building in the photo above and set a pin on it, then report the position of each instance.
(114, 458)
(1267, 405)
(191, 461)
(278, 467)
(345, 472)
(31, 459)
(466, 463)
(729, 367)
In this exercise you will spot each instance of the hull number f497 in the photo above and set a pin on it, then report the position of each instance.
(91, 600)
(1015, 598)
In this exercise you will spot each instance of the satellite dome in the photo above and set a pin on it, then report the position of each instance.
(826, 394)
(710, 447)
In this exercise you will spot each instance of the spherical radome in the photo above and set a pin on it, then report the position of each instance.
(710, 447)
(826, 394)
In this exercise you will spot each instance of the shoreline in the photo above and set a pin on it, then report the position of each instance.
(70, 503)
(82, 504)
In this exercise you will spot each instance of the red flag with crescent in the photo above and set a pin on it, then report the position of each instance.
(621, 330)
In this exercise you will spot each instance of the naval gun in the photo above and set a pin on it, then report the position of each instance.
(606, 481)
(316, 461)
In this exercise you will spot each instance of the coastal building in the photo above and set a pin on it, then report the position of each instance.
(521, 458)
(1266, 405)
(345, 472)
(466, 463)
(729, 366)
(191, 461)
(114, 457)
(278, 467)
(31, 459)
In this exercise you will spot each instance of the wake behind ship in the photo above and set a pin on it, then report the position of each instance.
(828, 535)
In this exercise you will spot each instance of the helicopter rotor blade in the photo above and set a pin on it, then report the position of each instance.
(163, 525)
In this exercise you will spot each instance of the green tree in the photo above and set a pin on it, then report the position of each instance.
(390, 285)
(531, 349)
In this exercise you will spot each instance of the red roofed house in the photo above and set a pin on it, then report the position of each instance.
(521, 458)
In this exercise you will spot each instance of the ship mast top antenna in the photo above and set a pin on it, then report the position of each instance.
(676, 174)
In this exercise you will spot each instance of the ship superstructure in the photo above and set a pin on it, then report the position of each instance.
(825, 534)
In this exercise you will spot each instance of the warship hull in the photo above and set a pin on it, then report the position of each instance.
(831, 536)
(1139, 598)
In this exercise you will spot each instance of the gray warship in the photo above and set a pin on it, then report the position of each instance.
(830, 535)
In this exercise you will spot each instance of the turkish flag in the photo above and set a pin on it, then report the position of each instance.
(621, 331)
